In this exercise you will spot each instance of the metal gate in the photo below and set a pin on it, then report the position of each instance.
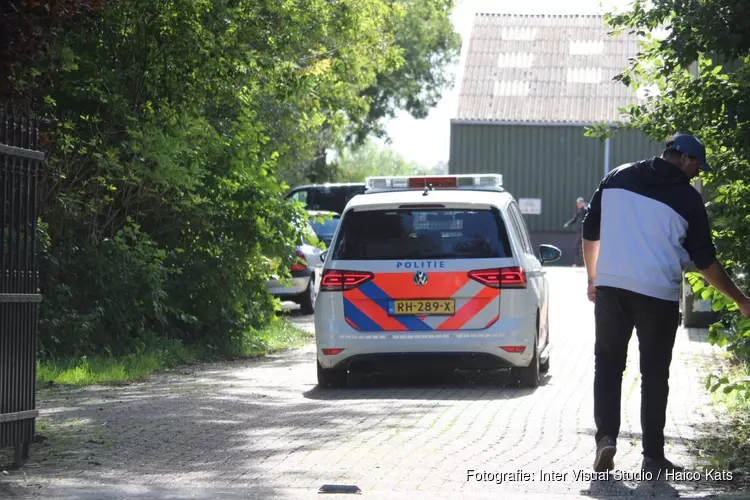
(20, 165)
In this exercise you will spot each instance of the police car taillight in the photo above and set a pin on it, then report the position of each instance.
(335, 280)
(506, 277)
(465, 181)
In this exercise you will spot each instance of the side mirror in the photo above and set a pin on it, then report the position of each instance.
(323, 256)
(549, 253)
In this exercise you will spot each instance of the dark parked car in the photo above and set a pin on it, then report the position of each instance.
(326, 197)
(324, 224)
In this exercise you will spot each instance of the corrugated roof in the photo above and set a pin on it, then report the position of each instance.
(544, 68)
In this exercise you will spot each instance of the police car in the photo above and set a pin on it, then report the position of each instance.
(436, 269)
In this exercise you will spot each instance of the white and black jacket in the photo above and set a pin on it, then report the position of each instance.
(651, 223)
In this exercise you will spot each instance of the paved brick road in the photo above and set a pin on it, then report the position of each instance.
(262, 429)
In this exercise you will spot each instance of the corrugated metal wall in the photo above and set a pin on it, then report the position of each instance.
(556, 164)
(632, 145)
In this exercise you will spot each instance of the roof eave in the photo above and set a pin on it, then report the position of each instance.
(459, 121)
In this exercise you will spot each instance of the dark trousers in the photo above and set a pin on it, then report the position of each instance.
(617, 312)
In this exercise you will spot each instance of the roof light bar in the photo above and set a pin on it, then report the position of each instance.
(416, 182)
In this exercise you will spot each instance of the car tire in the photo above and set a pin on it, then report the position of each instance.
(331, 378)
(308, 298)
(529, 376)
(544, 367)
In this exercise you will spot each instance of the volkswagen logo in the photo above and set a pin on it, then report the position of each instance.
(420, 278)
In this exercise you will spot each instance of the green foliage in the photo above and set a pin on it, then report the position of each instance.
(164, 354)
(168, 124)
(101, 293)
(373, 159)
(27, 27)
(700, 84)
(427, 44)
(424, 45)
(113, 370)
(733, 334)
(730, 450)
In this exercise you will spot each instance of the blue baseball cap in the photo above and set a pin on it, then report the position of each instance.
(691, 146)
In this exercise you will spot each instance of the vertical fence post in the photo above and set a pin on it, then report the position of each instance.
(607, 160)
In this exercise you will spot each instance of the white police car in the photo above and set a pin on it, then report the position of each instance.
(434, 269)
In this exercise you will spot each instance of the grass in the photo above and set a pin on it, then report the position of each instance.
(279, 336)
(112, 370)
(730, 450)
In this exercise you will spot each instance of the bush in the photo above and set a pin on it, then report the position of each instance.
(102, 296)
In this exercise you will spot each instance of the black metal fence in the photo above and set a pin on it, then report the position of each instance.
(20, 165)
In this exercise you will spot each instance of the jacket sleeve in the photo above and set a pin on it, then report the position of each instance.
(592, 219)
(698, 240)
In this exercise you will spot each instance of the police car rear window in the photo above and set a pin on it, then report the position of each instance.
(407, 234)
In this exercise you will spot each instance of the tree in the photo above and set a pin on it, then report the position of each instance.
(372, 159)
(427, 44)
(694, 93)
(27, 28)
(169, 121)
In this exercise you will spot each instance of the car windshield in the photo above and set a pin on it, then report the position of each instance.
(324, 226)
(423, 234)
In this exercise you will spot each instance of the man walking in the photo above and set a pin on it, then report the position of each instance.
(644, 225)
(582, 208)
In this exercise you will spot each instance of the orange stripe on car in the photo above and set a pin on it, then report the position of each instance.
(469, 310)
(373, 311)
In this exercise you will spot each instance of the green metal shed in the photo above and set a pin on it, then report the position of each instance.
(530, 85)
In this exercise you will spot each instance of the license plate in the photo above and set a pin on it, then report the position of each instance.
(441, 307)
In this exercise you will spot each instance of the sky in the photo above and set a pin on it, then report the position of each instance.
(427, 141)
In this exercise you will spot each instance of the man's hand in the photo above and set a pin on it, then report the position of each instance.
(591, 292)
(744, 306)
(590, 256)
(719, 279)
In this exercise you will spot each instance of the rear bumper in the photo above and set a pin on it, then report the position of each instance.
(471, 350)
(411, 361)
(295, 286)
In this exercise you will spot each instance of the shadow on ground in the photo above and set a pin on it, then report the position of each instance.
(705, 480)
(430, 385)
(220, 422)
(223, 424)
